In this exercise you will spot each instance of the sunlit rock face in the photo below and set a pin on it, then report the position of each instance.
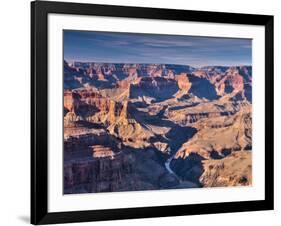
(130, 127)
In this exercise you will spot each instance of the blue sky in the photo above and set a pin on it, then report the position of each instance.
(111, 47)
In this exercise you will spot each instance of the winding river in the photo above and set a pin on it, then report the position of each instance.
(167, 165)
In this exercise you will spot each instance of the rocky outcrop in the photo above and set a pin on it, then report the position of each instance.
(231, 83)
(202, 88)
(234, 170)
(236, 130)
(225, 79)
(158, 88)
(183, 82)
(72, 101)
(123, 84)
(128, 129)
(200, 73)
(198, 109)
(100, 151)
(76, 109)
(127, 171)
(100, 174)
(78, 138)
(215, 139)
(163, 147)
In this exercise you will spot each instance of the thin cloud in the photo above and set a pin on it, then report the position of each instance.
(151, 48)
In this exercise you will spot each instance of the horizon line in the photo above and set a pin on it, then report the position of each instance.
(209, 65)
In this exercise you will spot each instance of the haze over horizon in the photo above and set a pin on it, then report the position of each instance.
(113, 47)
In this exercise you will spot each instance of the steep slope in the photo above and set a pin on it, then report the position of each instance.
(216, 138)
(234, 170)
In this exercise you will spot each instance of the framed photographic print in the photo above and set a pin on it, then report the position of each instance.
(145, 112)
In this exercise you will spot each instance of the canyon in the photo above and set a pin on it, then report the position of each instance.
(132, 127)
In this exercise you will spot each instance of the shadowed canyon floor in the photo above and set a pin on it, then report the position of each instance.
(130, 127)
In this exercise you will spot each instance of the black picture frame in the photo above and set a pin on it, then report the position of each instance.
(39, 112)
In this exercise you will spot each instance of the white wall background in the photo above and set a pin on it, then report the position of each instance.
(15, 113)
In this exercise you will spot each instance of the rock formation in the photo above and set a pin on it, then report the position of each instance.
(233, 170)
(130, 127)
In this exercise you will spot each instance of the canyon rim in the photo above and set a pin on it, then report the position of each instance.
(151, 112)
